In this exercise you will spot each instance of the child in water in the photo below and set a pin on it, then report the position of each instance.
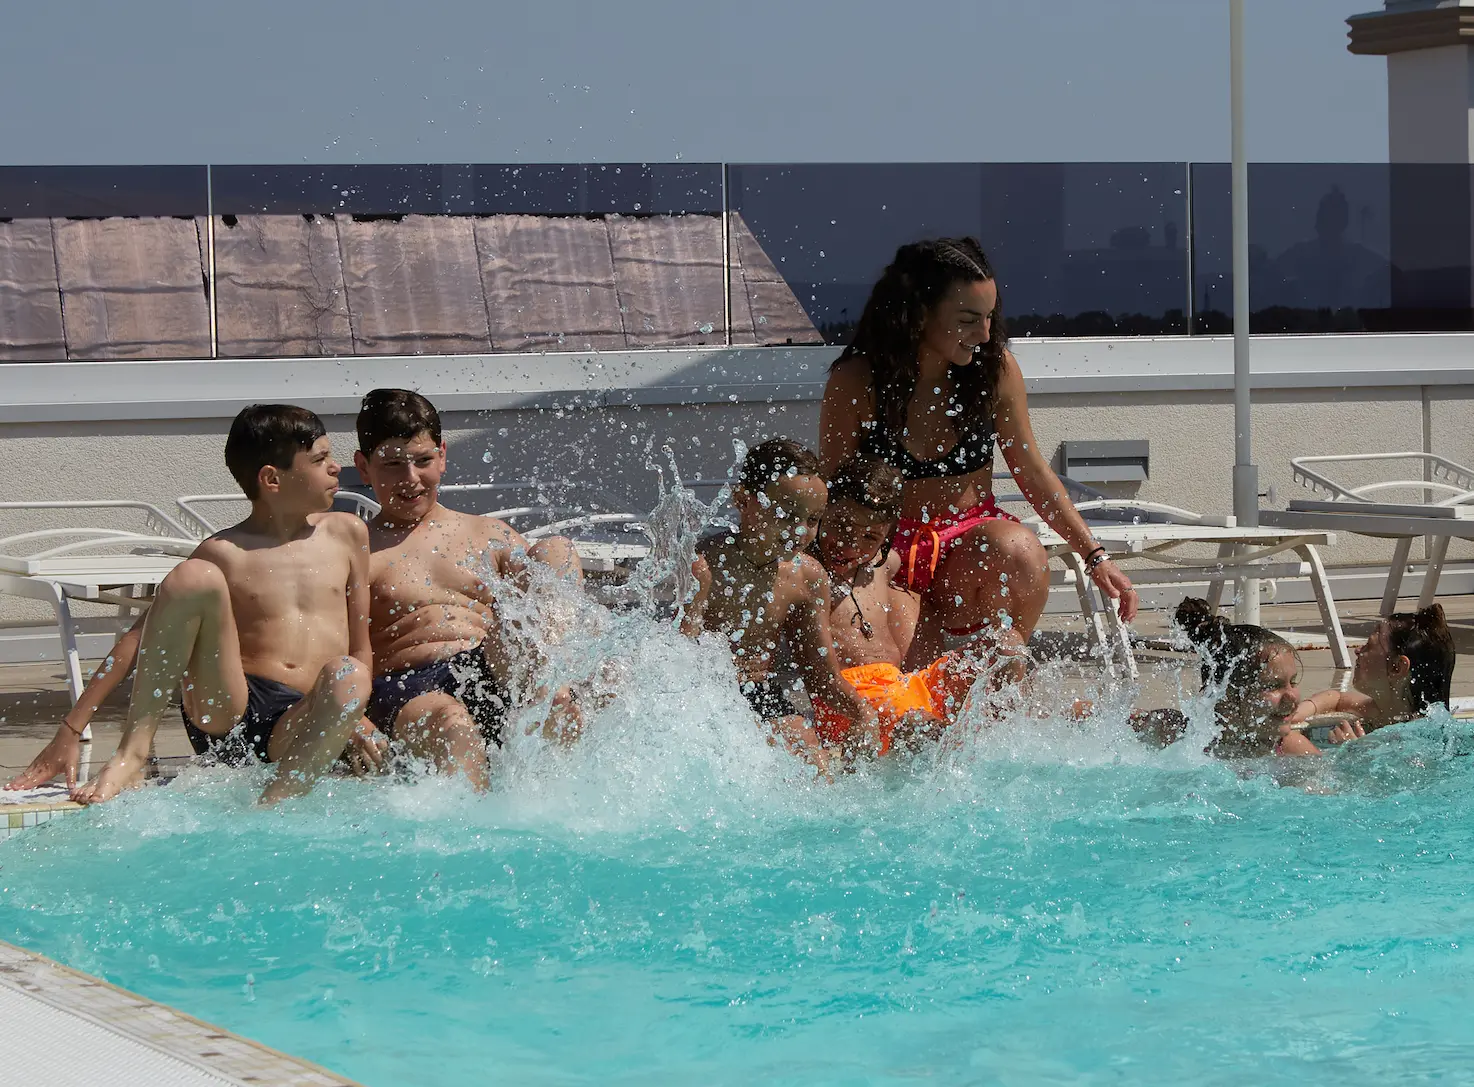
(1258, 670)
(1405, 667)
(759, 588)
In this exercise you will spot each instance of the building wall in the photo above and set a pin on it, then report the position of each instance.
(693, 407)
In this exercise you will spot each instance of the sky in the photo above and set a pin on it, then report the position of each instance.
(329, 81)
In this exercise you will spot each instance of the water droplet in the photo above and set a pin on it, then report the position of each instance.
(486, 457)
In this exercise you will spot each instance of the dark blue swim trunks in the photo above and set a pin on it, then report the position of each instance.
(466, 677)
(267, 701)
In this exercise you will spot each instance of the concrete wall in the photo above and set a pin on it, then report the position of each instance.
(103, 430)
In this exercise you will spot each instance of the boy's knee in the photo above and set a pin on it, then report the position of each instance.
(347, 680)
(194, 577)
(435, 713)
(557, 553)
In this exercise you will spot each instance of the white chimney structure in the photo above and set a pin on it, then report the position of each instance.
(1429, 46)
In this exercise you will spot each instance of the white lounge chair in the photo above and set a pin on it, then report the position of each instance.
(1155, 532)
(604, 539)
(201, 524)
(1444, 511)
(99, 565)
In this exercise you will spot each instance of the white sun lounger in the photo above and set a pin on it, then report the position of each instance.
(603, 540)
(1446, 511)
(201, 524)
(1155, 533)
(100, 565)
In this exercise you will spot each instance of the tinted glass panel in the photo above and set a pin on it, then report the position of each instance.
(1337, 247)
(47, 192)
(1080, 249)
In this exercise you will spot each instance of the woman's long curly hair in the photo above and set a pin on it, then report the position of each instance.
(888, 336)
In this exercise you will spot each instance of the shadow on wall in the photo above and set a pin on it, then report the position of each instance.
(320, 285)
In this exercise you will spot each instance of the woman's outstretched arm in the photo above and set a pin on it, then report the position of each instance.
(1037, 480)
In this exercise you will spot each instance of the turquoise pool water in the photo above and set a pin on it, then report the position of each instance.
(672, 903)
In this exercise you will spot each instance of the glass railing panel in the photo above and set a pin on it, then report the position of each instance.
(1337, 247)
(1080, 249)
(103, 262)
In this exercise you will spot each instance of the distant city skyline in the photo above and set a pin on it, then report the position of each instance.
(655, 80)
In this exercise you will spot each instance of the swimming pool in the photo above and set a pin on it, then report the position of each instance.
(671, 902)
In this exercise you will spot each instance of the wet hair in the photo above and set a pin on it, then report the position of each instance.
(771, 461)
(271, 434)
(1232, 653)
(872, 484)
(888, 335)
(395, 415)
(1424, 639)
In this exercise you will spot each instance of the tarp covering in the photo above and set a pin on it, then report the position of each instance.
(294, 285)
(132, 288)
(414, 285)
(669, 271)
(764, 309)
(280, 287)
(549, 283)
(30, 301)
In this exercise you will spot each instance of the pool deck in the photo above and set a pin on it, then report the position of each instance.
(63, 1026)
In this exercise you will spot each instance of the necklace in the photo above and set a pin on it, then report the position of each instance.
(757, 567)
(847, 589)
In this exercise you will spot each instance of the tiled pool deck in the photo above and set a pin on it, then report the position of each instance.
(62, 1026)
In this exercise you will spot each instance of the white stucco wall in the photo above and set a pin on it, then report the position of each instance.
(1315, 395)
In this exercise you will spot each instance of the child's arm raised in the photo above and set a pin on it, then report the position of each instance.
(1332, 702)
(813, 650)
(695, 609)
(62, 754)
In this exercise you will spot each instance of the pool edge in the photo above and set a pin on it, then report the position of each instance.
(158, 1027)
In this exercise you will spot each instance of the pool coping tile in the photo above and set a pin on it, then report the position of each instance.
(158, 1026)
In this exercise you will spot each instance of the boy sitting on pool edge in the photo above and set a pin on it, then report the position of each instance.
(446, 673)
(264, 628)
(759, 587)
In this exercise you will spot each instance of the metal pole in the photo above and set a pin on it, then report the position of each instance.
(1192, 271)
(726, 259)
(1245, 472)
(210, 260)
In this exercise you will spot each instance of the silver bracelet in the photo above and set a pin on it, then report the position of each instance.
(1095, 558)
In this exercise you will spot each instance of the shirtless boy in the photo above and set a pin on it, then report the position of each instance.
(265, 627)
(873, 620)
(445, 676)
(760, 588)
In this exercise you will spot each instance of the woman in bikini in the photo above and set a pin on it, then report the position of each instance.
(929, 386)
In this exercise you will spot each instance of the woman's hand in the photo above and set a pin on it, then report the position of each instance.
(1112, 580)
(60, 756)
(1345, 731)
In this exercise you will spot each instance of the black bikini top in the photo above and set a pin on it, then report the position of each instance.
(972, 453)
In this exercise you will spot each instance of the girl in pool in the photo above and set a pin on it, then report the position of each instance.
(928, 385)
(1258, 671)
(1405, 667)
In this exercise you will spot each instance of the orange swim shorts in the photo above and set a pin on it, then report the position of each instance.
(893, 693)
